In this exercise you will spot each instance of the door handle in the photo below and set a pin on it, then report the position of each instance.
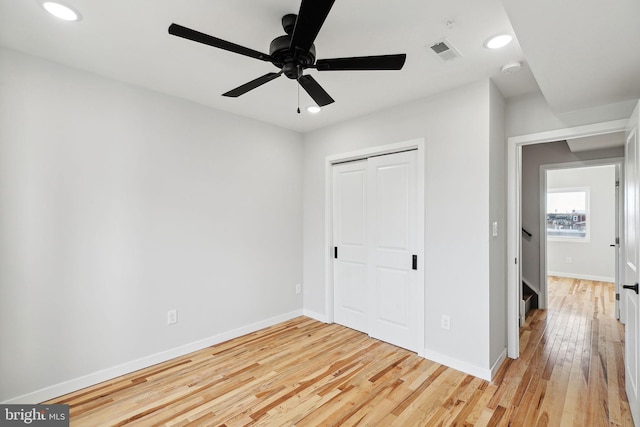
(632, 287)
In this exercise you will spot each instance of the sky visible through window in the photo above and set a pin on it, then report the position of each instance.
(566, 202)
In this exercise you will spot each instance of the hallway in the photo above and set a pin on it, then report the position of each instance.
(571, 363)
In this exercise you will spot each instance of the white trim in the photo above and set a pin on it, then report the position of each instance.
(69, 386)
(315, 315)
(582, 276)
(328, 240)
(514, 176)
(514, 267)
(459, 365)
(496, 366)
(417, 144)
(570, 133)
(376, 151)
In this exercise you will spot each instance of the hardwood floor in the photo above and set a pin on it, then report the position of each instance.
(306, 373)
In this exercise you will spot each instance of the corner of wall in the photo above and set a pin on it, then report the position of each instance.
(497, 230)
(462, 366)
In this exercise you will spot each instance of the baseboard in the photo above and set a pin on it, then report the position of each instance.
(582, 276)
(135, 365)
(467, 368)
(317, 316)
(498, 363)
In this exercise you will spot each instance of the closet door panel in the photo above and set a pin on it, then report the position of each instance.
(350, 245)
(392, 220)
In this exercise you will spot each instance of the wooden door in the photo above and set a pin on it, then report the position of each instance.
(632, 264)
(350, 240)
(394, 298)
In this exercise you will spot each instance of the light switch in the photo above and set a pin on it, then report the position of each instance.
(495, 229)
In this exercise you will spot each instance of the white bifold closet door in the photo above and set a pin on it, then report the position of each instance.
(375, 248)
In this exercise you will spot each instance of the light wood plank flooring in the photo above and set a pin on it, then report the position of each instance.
(306, 373)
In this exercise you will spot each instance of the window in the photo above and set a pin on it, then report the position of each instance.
(568, 214)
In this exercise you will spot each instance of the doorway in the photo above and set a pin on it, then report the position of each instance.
(630, 239)
(580, 219)
(515, 147)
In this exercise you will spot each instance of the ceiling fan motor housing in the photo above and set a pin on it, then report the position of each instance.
(289, 23)
(283, 56)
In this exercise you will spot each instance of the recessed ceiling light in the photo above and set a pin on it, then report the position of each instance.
(314, 109)
(61, 11)
(496, 42)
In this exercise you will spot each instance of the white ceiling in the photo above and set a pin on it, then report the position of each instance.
(584, 53)
(128, 41)
(596, 142)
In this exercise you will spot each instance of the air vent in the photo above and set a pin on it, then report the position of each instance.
(444, 50)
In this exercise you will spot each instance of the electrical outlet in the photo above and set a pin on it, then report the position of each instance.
(298, 288)
(445, 322)
(568, 260)
(494, 229)
(172, 317)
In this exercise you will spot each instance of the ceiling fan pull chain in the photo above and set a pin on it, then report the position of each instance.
(298, 80)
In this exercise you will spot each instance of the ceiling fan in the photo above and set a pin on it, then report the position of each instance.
(295, 52)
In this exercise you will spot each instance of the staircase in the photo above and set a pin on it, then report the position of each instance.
(529, 298)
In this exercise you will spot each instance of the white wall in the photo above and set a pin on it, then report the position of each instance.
(456, 127)
(118, 204)
(497, 214)
(593, 259)
(530, 114)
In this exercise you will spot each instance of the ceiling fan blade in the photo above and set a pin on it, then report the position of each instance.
(380, 62)
(315, 91)
(196, 36)
(241, 90)
(311, 16)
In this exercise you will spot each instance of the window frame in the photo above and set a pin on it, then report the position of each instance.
(574, 239)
